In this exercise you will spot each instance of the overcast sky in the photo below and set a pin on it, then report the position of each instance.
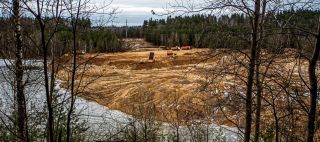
(136, 11)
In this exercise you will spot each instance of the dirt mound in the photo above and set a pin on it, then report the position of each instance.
(139, 60)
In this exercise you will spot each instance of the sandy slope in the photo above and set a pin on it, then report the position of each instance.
(190, 86)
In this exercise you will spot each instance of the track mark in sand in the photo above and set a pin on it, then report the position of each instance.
(127, 80)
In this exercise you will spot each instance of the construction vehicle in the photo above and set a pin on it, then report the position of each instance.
(151, 57)
(186, 48)
(177, 48)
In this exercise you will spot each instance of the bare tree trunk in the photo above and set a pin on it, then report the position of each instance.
(20, 96)
(254, 43)
(276, 119)
(46, 77)
(74, 69)
(259, 82)
(313, 90)
(178, 136)
(72, 88)
(135, 137)
(145, 130)
(45, 54)
(258, 109)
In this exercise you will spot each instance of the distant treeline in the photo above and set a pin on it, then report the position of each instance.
(128, 32)
(195, 30)
(226, 31)
(89, 38)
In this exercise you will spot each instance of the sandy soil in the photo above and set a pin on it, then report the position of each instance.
(168, 87)
(192, 85)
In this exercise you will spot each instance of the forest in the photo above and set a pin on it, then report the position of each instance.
(92, 39)
(224, 31)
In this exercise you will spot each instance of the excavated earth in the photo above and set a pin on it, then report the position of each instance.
(192, 85)
(168, 88)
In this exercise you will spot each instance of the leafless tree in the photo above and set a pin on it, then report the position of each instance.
(313, 88)
(21, 100)
(256, 10)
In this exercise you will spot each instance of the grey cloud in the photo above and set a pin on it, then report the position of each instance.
(136, 11)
